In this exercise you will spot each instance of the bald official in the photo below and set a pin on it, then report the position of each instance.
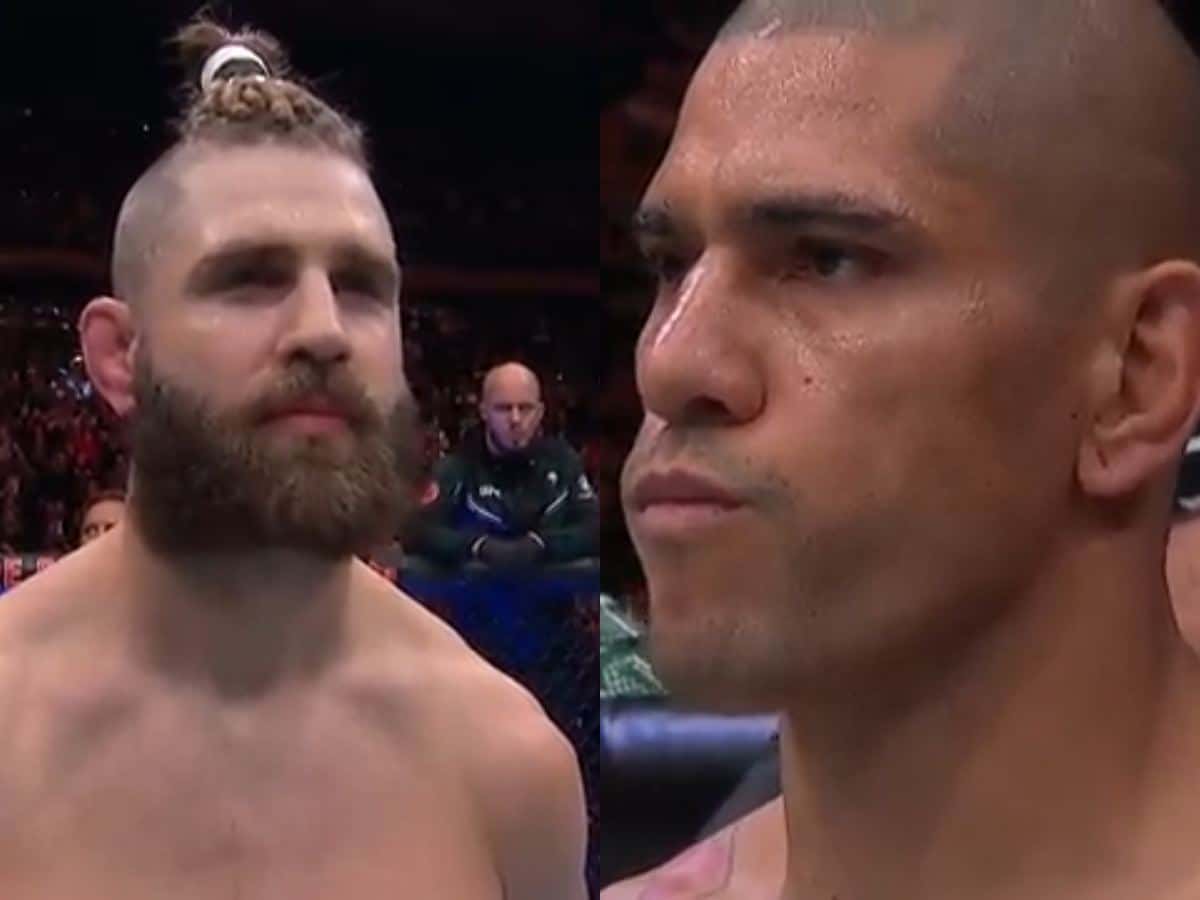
(511, 376)
(217, 698)
(509, 497)
(923, 358)
(511, 406)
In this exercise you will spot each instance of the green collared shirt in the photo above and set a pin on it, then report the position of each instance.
(624, 669)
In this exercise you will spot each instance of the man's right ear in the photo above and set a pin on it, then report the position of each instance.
(106, 332)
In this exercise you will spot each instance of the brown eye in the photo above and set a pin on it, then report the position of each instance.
(829, 261)
(826, 262)
(360, 283)
(256, 276)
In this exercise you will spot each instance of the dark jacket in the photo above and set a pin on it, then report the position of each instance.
(475, 493)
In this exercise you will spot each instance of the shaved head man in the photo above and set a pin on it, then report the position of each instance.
(511, 407)
(219, 698)
(923, 358)
(508, 496)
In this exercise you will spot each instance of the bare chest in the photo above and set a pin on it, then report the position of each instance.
(160, 807)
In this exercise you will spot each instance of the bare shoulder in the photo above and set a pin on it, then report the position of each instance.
(47, 612)
(55, 687)
(38, 608)
(745, 861)
(423, 666)
(514, 744)
(527, 779)
(520, 771)
(491, 720)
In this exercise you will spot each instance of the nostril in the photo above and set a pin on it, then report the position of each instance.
(707, 411)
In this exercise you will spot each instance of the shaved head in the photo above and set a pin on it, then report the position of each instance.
(241, 109)
(141, 223)
(509, 376)
(1041, 110)
(511, 407)
(911, 259)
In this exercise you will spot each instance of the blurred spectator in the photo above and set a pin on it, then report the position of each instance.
(102, 513)
(10, 528)
(510, 498)
(59, 444)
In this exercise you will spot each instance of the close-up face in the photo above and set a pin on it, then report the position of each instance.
(846, 374)
(268, 381)
(512, 411)
(101, 517)
(269, 252)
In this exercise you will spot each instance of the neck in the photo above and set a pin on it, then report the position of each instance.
(490, 444)
(239, 624)
(1039, 762)
(494, 448)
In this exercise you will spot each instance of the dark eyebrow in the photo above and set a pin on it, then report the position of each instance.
(208, 273)
(802, 211)
(789, 212)
(380, 268)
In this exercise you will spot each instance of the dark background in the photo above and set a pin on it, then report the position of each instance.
(481, 121)
(491, 108)
(482, 126)
(498, 132)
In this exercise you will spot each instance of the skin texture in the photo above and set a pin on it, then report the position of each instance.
(947, 440)
(216, 473)
(1183, 575)
(268, 719)
(748, 859)
(511, 407)
(100, 518)
(144, 216)
(744, 861)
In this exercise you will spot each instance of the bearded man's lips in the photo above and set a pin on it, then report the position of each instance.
(310, 415)
(311, 423)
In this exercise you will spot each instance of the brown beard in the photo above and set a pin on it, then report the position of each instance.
(208, 482)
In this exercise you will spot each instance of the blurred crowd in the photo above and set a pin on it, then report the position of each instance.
(60, 444)
(476, 217)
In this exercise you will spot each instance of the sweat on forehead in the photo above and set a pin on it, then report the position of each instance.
(268, 192)
(1040, 111)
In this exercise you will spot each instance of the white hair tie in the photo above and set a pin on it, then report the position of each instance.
(228, 55)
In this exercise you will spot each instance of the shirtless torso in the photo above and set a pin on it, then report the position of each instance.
(408, 769)
(745, 861)
(748, 861)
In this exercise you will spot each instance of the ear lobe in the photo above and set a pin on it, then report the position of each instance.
(1148, 388)
(107, 336)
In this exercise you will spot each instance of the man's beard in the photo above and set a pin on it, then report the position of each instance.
(207, 482)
